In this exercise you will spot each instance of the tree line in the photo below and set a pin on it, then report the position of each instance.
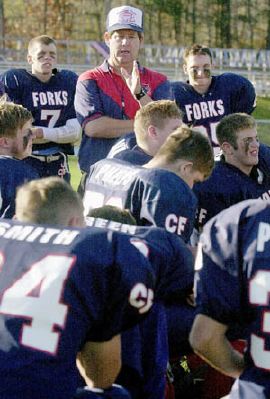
(216, 23)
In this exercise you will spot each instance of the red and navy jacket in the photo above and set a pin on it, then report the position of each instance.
(102, 92)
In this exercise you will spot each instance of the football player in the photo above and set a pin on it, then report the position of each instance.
(243, 171)
(49, 94)
(63, 288)
(205, 99)
(16, 136)
(160, 192)
(233, 285)
(152, 125)
(144, 347)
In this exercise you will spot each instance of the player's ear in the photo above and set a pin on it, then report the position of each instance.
(152, 133)
(141, 37)
(226, 148)
(5, 142)
(185, 68)
(107, 37)
(29, 59)
(185, 168)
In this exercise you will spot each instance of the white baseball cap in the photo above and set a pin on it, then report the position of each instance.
(125, 17)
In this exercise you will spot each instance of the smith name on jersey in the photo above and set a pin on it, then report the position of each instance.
(59, 288)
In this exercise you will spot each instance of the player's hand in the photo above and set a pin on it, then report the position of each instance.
(132, 79)
(38, 137)
(37, 132)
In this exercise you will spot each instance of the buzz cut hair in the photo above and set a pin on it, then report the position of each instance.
(12, 117)
(50, 200)
(197, 49)
(229, 125)
(43, 39)
(190, 145)
(155, 113)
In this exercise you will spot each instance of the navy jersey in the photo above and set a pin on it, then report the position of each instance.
(155, 197)
(171, 259)
(102, 92)
(233, 284)
(123, 143)
(144, 347)
(135, 155)
(227, 186)
(51, 103)
(227, 94)
(59, 288)
(13, 173)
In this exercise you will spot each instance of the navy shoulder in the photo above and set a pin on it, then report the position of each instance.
(164, 178)
(180, 86)
(17, 167)
(220, 235)
(16, 75)
(67, 74)
(15, 72)
(234, 79)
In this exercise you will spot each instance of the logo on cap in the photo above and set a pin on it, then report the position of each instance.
(127, 17)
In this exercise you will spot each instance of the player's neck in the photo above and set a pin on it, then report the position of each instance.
(160, 163)
(42, 77)
(201, 90)
(246, 169)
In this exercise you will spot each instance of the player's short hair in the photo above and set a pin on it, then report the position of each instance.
(197, 49)
(190, 145)
(12, 117)
(155, 113)
(114, 213)
(229, 125)
(50, 200)
(43, 39)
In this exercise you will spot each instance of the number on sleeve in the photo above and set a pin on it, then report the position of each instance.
(259, 294)
(50, 114)
(36, 296)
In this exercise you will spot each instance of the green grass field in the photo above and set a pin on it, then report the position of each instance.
(262, 112)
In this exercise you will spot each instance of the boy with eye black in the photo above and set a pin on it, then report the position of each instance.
(49, 94)
(206, 99)
(242, 173)
(15, 144)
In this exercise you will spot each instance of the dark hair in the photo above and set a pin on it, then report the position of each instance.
(197, 49)
(114, 213)
(231, 124)
(43, 39)
(191, 145)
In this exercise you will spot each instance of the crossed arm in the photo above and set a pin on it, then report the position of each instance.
(209, 341)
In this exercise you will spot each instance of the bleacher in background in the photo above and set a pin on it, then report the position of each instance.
(82, 55)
